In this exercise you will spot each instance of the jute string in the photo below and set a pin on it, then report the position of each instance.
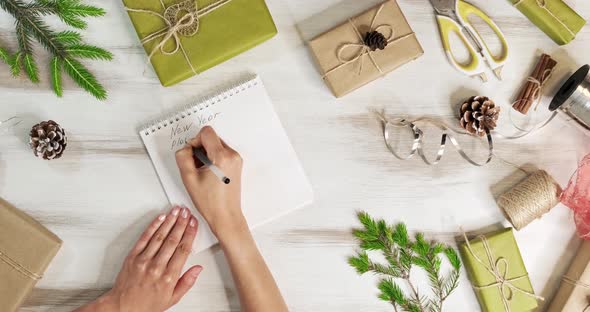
(543, 5)
(18, 267)
(498, 268)
(575, 282)
(364, 49)
(530, 199)
(186, 26)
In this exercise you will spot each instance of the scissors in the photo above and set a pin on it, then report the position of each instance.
(452, 17)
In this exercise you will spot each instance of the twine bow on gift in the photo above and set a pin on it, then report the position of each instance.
(186, 25)
(543, 5)
(499, 269)
(363, 47)
(575, 282)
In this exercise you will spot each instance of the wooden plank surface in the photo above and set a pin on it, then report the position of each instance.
(103, 192)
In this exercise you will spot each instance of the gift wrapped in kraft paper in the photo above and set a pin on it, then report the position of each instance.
(497, 273)
(573, 294)
(554, 17)
(365, 48)
(26, 249)
(186, 37)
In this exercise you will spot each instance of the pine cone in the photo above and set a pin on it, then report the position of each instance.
(48, 140)
(479, 114)
(375, 40)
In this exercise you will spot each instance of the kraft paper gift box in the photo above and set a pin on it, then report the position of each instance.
(26, 249)
(554, 17)
(573, 294)
(345, 62)
(491, 260)
(184, 38)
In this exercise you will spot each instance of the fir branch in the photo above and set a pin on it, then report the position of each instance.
(69, 11)
(68, 37)
(379, 268)
(391, 292)
(64, 46)
(452, 282)
(400, 235)
(15, 64)
(31, 68)
(84, 78)
(402, 254)
(88, 51)
(55, 70)
(5, 56)
(25, 42)
(35, 8)
(368, 222)
(453, 258)
(360, 262)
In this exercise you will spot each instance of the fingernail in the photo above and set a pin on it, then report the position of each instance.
(162, 217)
(175, 211)
(196, 272)
(193, 222)
(184, 213)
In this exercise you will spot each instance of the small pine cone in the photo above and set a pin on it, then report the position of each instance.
(375, 40)
(48, 140)
(478, 115)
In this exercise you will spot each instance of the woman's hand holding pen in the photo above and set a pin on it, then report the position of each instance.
(218, 203)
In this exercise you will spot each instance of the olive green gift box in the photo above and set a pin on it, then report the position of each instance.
(502, 245)
(554, 17)
(232, 28)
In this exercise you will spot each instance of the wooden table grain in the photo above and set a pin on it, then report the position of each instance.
(104, 191)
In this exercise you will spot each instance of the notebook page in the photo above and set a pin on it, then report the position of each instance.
(273, 181)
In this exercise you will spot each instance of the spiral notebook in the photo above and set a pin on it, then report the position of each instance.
(273, 181)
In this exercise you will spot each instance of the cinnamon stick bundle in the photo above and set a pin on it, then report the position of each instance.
(530, 91)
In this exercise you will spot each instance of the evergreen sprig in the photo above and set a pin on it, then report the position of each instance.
(66, 47)
(402, 254)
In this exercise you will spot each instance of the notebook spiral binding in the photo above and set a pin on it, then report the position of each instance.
(161, 123)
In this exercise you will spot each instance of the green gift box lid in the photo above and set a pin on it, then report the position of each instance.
(554, 17)
(504, 255)
(222, 29)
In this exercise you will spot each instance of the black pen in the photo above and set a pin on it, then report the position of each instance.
(207, 162)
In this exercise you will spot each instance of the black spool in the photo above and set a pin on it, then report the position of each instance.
(569, 87)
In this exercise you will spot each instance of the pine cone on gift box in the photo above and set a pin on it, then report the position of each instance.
(48, 140)
(478, 114)
(375, 40)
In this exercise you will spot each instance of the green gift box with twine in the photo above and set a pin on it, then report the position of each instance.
(554, 17)
(185, 38)
(497, 273)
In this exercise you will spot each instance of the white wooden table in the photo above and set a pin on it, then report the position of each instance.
(103, 192)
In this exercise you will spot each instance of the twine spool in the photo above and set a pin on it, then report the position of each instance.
(530, 199)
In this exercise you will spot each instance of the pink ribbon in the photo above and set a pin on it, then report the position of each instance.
(577, 197)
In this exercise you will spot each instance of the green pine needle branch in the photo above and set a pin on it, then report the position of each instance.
(402, 254)
(66, 47)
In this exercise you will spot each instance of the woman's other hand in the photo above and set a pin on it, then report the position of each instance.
(151, 278)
